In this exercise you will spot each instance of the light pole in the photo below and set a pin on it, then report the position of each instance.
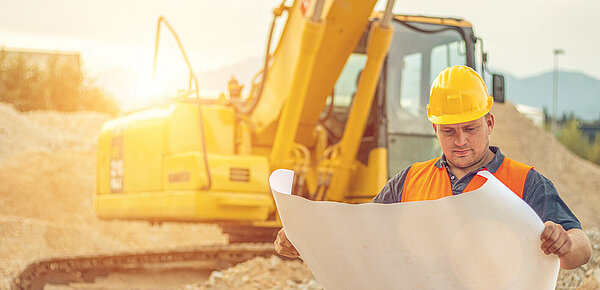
(555, 89)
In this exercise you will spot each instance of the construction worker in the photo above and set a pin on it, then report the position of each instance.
(459, 108)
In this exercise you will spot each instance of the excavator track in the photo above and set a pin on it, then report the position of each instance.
(87, 268)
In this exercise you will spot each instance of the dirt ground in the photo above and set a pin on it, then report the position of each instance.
(47, 173)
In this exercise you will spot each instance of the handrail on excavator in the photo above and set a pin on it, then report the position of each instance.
(387, 15)
(161, 19)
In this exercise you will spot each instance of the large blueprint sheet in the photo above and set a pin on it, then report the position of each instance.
(485, 239)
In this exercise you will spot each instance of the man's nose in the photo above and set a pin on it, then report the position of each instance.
(460, 139)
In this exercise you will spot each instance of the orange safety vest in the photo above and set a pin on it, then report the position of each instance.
(425, 181)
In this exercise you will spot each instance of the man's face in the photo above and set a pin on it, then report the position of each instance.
(465, 144)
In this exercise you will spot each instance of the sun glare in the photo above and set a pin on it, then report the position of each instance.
(143, 90)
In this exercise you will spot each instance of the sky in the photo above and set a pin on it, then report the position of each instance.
(113, 36)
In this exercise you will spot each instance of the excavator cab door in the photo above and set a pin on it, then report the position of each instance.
(419, 51)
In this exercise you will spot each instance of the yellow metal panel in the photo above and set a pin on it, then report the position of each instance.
(377, 167)
(185, 205)
(184, 171)
(184, 128)
(179, 205)
(219, 126)
(358, 187)
(104, 158)
(264, 138)
(367, 181)
(132, 147)
(243, 140)
(249, 173)
(143, 146)
(130, 152)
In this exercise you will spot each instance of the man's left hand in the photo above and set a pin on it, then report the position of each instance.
(572, 246)
(555, 240)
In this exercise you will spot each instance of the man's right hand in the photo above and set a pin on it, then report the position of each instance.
(284, 247)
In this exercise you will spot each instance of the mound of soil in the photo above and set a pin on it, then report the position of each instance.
(577, 180)
(47, 173)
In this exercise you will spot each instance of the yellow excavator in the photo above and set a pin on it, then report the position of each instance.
(340, 100)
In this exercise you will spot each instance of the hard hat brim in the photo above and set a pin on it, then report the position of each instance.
(462, 117)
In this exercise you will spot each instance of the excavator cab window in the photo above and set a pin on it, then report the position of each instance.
(335, 114)
(418, 52)
(398, 120)
(446, 55)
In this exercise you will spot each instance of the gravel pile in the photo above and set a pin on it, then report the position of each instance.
(261, 273)
(574, 278)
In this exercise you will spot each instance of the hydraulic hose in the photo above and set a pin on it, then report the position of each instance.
(249, 108)
(192, 76)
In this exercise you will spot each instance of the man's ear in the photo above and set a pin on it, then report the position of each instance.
(434, 128)
(490, 122)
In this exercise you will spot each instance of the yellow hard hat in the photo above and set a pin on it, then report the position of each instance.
(458, 94)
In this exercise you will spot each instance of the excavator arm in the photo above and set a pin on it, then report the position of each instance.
(304, 69)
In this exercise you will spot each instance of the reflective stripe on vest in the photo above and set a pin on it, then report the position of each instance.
(425, 181)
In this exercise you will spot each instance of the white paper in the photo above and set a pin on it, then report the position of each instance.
(484, 239)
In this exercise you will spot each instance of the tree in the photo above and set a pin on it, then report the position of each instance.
(59, 85)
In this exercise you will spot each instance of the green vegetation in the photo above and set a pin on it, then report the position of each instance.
(58, 85)
(586, 146)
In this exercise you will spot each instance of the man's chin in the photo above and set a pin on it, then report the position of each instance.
(462, 161)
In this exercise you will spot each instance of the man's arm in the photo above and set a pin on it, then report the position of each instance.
(392, 191)
(562, 235)
(572, 246)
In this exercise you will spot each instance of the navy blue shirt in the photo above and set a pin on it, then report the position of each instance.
(539, 192)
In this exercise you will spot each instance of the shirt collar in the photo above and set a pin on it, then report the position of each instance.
(492, 166)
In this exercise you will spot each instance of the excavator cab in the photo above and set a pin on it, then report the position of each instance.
(421, 47)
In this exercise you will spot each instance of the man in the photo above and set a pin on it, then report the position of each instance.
(459, 108)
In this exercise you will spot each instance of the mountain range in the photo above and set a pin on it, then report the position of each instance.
(578, 93)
